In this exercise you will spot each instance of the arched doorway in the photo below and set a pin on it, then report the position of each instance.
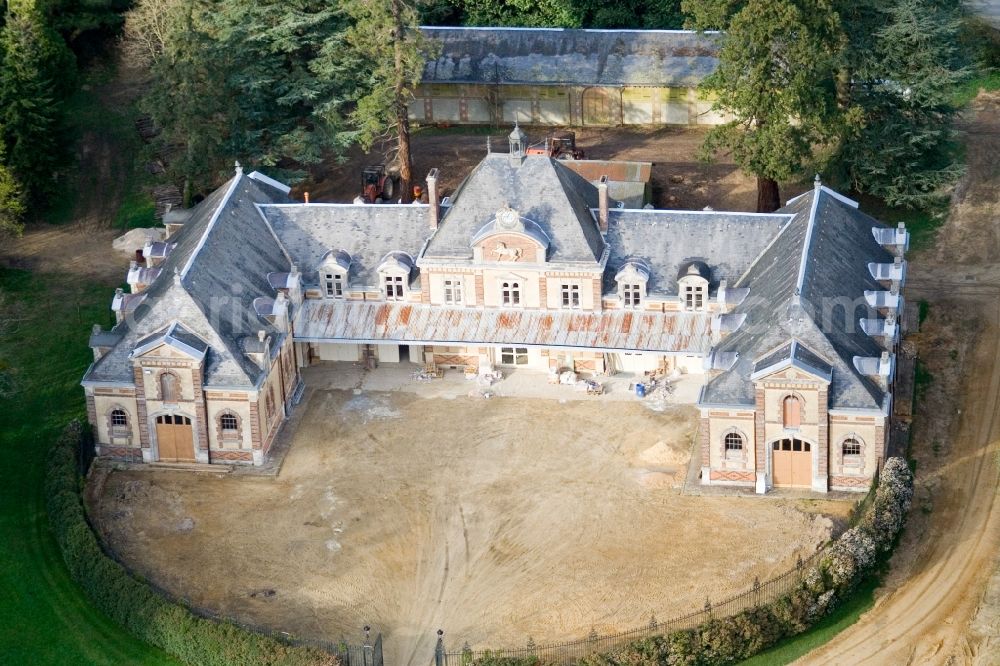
(791, 463)
(174, 438)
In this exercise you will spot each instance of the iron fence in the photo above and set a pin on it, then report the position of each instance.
(760, 593)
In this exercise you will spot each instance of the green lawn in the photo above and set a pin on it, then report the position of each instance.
(44, 616)
(840, 619)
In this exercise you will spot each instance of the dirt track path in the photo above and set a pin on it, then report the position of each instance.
(924, 621)
(936, 586)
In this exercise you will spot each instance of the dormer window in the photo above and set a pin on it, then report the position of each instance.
(333, 269)
(694, 297)
(394, 275)
(632, 280)
(393, 287)
(692, 284)
(333, 285)
(632, 295)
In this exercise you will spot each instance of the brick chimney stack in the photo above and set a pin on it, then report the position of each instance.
(602, 203)
(434, 214)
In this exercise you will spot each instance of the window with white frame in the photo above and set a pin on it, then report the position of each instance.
(453, 292)
(119, 422)
(733, 446)
(570, 295)
(333, 285)
(851, 450)
(510, 293)
(632, 295)
(514, 355)
(393, 287)
(694, 296)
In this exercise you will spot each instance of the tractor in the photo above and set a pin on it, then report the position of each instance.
(377, 185)
(559, 145)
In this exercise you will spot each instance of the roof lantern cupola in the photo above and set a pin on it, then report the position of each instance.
(518, 144)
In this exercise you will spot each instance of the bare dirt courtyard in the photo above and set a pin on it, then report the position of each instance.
(494, 520)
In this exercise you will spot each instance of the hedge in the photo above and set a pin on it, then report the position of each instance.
(133, 603)
(848, 561)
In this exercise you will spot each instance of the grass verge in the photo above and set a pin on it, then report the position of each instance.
(45, 618)
(841, 618)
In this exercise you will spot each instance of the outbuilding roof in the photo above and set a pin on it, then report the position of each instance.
(672, 58)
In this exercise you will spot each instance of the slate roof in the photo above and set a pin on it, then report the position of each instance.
(372, 321)
(827, 245)
(208, 282)
(541, 190)
(368, 232)
(675, 58)
(668, 240)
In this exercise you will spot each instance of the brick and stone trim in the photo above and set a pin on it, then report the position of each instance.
(760, 435)
(140, 407)
(199, 410)
(853, 483)
(218, 456)
(704, 442)
(732, 476)
(255, 425)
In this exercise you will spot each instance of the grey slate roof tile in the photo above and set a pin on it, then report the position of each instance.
(541, 189)
(836, 274)
(577, 57)
(368, 232)
(227, 265)
(666, 240)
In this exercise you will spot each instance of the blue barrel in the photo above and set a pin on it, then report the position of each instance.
(640, 390)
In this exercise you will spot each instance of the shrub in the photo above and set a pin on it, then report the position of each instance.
(133, 603)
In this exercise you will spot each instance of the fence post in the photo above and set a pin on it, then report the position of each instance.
(367, 654)
(439, 649)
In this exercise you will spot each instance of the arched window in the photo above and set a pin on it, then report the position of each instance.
(850, 448)
(169, 387)
(791, 408)
(733, 445)
(229, 423)
(119, 421)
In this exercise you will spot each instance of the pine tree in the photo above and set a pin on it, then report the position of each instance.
(385, 39)
(775, 80)
(34, 60)
(899, 74)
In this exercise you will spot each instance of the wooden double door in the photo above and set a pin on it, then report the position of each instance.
(791, 463)
(175, 438)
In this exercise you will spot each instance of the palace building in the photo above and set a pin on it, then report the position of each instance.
(790, 319)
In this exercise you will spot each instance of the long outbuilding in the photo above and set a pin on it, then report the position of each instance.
(555, 76)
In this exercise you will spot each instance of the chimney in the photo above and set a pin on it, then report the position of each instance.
(434, 213)
(602, 203)
(280, 312)
(306, 194)
(721, 295)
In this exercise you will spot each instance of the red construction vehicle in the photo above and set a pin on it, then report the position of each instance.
(377, 186)
(559, 145)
